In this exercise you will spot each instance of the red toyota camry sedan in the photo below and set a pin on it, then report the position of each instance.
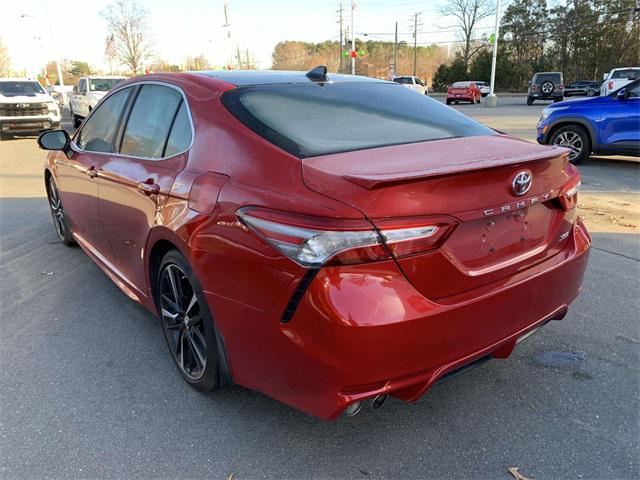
(463, 92)
(328, 240)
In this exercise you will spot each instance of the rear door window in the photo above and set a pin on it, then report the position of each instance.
(150, 121)
(316, 119)
(98, 134)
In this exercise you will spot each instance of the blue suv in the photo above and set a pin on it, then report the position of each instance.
(608, 125)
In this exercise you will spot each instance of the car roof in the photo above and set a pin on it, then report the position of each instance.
(241, 78)
(8, 79)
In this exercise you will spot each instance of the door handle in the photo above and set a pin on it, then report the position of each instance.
(149, 187)
(92, 172)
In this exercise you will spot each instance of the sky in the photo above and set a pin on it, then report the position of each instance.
(181, 28)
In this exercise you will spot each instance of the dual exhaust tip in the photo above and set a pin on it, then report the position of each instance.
(374, 402)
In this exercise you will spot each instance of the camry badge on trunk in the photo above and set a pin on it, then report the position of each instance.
(522, 183)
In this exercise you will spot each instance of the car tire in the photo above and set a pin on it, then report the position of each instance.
(530, 101)
(571, 136)
(77, 121)
(591, 93)
(187, 324)
(5, 136)
(557, 99)
(60, 220)
(477, 99)
(448, 102)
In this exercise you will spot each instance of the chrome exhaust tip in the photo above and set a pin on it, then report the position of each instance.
(378, 401)
(352, 409)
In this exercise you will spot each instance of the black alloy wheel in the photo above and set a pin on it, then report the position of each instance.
(188, 326)
(60, 221)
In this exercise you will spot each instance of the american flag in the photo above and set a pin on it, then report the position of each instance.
(110, 48)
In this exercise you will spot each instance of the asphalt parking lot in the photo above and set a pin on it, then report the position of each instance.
(88, 390)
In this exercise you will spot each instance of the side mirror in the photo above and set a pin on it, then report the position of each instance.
(604, 76)
(54, 140)
(75, 89)
(622, 94)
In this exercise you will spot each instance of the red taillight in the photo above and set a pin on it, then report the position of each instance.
(568, 194)
(561, 86)
(314, 241)
(610, 85)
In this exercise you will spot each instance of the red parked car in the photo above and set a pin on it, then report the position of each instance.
(463, 92)
(324, 240)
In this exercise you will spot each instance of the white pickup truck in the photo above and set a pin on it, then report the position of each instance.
(618, 78)
(412, 83)
(25, 107)
(87, 93)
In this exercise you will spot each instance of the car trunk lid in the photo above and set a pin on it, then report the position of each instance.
(470, 180)
(459, 90)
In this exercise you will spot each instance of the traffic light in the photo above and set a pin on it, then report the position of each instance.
(353, 53)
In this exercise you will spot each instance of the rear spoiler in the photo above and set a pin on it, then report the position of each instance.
(373, 181)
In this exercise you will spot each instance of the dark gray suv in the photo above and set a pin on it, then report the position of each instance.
(546, 86)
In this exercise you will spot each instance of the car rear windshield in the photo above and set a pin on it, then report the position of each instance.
(629, 73)
(322, 118)
(547, 77)
(461, 85)
(14, 89)
(103, 84)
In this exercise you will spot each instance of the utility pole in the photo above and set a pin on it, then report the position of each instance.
(415, 42)
(353, 40)
(492, 100)
(395, 53)
(58, 67)
(227, 27)
(248, 64)
(341, 29)
(239, 57)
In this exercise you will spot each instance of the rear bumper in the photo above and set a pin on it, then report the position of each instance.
(463, 98)
(542, 96)
(364, 330)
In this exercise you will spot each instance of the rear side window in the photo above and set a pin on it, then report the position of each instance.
(180, 136)
(150, 121)
(317, 119)
(98, 134)
(403, 80)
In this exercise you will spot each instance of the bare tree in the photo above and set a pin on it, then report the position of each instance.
(127, 21)
(467, 14)
(5, 60)
(196, 63)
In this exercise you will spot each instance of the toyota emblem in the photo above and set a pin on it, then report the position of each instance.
(522, 183)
